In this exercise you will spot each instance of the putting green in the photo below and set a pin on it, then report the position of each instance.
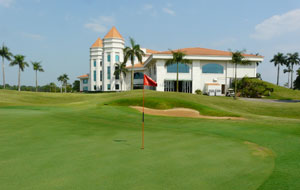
(98, 147)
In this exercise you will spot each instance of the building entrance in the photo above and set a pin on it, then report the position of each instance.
(184, 86)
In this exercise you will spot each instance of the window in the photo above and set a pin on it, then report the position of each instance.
(138, 75)
(118, 75)
(108, 57)
(108, 72)
(100, 63)
(212, 68)
(108, 86)
(182, 68)
(95, 88)
(100, 75)
(117, 58)
(85, 81)
(100, 87)
(95, 75)
(85, 88)
(95, 63)
(117, 86)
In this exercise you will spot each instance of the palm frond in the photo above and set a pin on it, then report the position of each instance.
(132, 42)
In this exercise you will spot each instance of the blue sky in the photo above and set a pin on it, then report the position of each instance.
(60, 32)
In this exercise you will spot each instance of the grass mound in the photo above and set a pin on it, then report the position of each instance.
(282, 93)
(169, 103)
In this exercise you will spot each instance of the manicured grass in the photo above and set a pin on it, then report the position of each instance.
(90, 141)
(282, 93)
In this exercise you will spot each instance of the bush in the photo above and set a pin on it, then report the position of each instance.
(198, 91)
(252, 88)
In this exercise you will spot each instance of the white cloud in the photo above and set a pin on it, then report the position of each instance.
(278, 25)
(6, 3)
(148, 7)
(100, 24)
(33, 36)
(169, 11)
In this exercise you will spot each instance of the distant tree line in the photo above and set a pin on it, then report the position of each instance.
(19, 60)
(289, 60)
(51, 87)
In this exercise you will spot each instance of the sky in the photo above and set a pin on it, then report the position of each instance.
(59, 33)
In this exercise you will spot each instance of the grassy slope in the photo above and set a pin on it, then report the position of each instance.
(74, 141)
(282, 93)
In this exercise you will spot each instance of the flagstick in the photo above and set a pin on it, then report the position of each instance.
(143, 117)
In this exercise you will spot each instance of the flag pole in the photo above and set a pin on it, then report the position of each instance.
(143, 116)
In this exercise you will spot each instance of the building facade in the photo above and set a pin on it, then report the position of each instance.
(210, 70)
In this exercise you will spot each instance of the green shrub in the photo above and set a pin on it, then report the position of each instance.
(198, 91)
(252, 88)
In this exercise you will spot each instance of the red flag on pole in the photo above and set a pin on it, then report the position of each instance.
(147, 82)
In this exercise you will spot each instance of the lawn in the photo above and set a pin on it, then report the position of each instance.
(92, 141)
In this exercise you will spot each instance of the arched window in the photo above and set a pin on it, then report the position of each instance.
(182, 68)
(138, 75)
(212, 68)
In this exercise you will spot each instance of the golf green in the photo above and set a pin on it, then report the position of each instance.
(77, 141)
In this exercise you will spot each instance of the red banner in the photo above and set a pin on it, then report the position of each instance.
(148, 81)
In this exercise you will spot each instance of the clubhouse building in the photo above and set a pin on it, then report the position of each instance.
(210, 71)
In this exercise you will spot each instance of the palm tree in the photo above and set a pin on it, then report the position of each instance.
(293, 59)
(278, 59)
(238, 59)
(52, 85)
(288, 70)
(178, 57)
(5, 54)
(65, 81)
(61, 79)
(131, 53)
(121, 70)
(20, 61)
(37, 67)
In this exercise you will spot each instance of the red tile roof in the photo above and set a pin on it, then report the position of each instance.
(83, 76)
(113, 33)
(206, 52)
(138, 65)
(98, 43)
(151, 51)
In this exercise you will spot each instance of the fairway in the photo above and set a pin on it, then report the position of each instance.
(92, 141)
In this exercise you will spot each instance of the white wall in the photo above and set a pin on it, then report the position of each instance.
(198, 78)
(95, 54)
(113, 47)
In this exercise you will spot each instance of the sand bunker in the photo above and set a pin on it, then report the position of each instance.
(180, 112)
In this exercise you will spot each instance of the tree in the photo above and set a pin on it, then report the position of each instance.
(178, 57)
(65, 81)
(61, 79)
(238, 59)
(76, 86)
(37, 67)
(5, 54)
(297, 81)
(278, 59)
(52, 85)
(287, 70)
(293, 59)
(20, 61)
(131, 53)
(258, 76)
(121, 71)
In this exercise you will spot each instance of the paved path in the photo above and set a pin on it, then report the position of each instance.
(269, 100)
